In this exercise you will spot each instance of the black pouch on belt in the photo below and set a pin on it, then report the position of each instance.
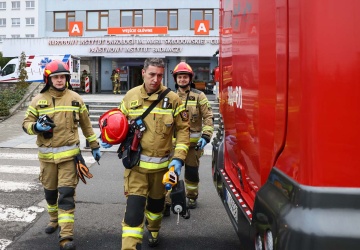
(130, 158)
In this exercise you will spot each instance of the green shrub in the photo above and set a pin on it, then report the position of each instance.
(9, 97)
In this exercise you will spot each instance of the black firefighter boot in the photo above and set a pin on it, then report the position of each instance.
(67, 244)
(153, 238)
(51, 227)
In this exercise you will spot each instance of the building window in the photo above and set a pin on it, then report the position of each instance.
(15, 36)
(97, 20)
(30, 4)
(202, 15)
(29, 35)
(131, 18)
(15, 22)
(2, 37)
(30, 21)
(167, 18)
(62, 19)
(2, 22)
(2, 5)
(15, 5)
(201, 72)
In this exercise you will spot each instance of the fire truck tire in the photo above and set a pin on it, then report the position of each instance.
(258, 243)
(268, 240)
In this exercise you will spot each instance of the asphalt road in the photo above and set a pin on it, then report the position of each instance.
(100, 208)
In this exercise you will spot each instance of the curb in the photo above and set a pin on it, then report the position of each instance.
(29, 93)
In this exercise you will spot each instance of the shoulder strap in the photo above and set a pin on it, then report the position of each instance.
(160, 97)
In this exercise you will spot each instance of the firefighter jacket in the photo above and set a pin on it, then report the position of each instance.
(68, 111)
(161, 123)
(200, 115)
(115, 77)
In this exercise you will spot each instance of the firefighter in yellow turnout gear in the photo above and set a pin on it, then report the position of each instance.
(201, 129)
(115, 78)
(54, 116)
(143, 183)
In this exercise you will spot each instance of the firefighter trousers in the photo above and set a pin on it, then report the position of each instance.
(145, 196)
(59, 182)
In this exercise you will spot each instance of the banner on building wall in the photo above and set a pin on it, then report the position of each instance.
(116, 46)
(158, 30)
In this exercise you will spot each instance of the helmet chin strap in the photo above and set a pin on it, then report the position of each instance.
(184, 86)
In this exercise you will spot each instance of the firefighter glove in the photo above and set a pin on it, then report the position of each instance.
(81, 169)
(105, 145)
(42, 127)
(177, 163)
(96, 154)
(201, 143)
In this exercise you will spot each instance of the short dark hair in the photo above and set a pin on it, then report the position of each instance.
(157, 62)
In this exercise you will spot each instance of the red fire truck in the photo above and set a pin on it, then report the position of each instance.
(285, 158)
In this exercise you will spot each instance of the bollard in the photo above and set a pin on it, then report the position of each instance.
(87, 145)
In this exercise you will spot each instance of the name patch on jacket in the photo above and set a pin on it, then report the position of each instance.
(134, 104)
(42, 103)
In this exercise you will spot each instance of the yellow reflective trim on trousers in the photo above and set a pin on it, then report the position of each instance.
(91, 138)
(52, 208)
(136, 232)
(191, 187)
(60, 155)
(153, 216)
(66, 218)
(149, 165)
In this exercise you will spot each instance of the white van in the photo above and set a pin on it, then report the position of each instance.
(35, 65)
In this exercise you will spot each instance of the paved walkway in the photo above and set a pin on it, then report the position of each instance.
(12, 135)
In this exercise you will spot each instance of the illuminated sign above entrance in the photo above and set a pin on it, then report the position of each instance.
(156, 30)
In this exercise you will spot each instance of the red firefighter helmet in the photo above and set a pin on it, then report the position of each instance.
(113, 126)
(55, 67)
(183, 68)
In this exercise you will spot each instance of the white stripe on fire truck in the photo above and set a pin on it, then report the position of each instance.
(237, 195)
